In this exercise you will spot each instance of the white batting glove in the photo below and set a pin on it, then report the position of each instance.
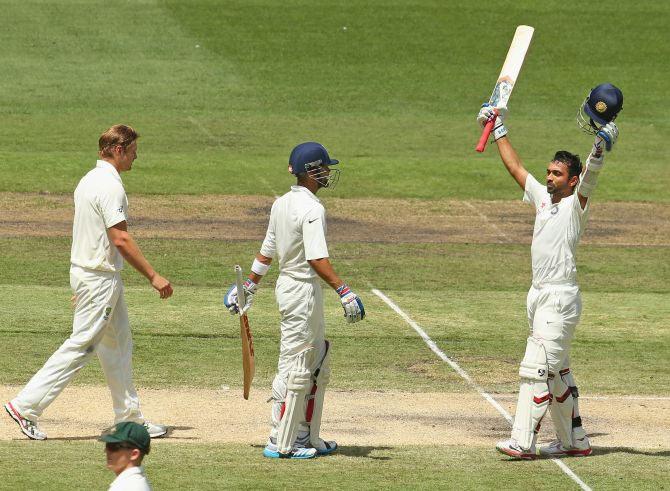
(353, 306)
(487, 112)
(605, 138)
(230, 298)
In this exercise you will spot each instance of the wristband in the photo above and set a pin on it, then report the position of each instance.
(343, 290)
(259, 268)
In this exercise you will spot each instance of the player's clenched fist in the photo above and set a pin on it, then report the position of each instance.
(352, 304)
(487, 113)
(162, 286)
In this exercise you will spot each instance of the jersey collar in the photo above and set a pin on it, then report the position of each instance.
(107, 167)
(303, 189)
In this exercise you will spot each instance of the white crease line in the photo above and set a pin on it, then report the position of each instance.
(489, 222)
(441, 354)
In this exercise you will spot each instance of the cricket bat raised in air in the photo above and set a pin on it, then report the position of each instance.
(507, 78)
(248, 361)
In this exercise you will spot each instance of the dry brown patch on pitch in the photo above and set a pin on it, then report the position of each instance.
(349, 220)
(353, 418)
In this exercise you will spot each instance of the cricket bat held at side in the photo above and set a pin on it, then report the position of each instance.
(248, 360)
(507, 78)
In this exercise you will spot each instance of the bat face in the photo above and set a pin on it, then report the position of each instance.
(507, 78)
(512, 66)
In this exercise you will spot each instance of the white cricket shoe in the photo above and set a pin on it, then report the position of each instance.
(155, 430)
(581, 448)
(28, 427)
(511, 447)
(272, 451)
(324, 447)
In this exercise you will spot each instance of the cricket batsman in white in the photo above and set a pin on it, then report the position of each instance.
(554, 301)
(100, 243)
(296, 236)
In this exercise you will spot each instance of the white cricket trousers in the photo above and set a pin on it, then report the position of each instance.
(302, 325)
(100, 324)
(553, 314)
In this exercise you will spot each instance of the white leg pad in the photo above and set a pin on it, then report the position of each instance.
(315, 400)
(561, 408)
(297, 386)
(534, 395)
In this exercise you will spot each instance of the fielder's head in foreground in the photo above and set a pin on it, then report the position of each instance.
(125, 446)
(296, 238)
(554, 301)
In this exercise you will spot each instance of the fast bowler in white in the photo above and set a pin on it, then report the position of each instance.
(100, 243)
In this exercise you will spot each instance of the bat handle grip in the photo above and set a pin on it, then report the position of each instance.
(488, 128)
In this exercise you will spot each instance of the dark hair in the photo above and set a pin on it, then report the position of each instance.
(571, 160)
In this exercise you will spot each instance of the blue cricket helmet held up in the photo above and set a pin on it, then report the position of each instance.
(600, 107)
(307, 156)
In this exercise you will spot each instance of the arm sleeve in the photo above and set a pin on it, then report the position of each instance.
(269, 246)
(314, 234)
(113, 205)
(534, 192)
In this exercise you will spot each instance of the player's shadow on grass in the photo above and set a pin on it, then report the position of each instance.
(362, 451)
(629, 450)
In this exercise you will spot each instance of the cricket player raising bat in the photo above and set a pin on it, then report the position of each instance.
(296, 236)
(554, 301)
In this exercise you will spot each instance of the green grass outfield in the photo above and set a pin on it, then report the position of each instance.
(220, 92)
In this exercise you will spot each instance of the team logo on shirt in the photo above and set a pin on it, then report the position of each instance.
(554, 210)
(108, 312)
(120, 209)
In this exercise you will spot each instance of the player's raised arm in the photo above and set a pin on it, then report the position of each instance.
(507, 153)
(605, 139)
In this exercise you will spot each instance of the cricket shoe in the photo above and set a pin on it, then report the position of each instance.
(272, 452)
(581, 448)
(28, 427)
(155, 430)
(511, 447)
(324, 448)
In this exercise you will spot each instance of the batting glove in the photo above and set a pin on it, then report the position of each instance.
(605, 137)
(353, 306)
(487, 112)
(230, 298)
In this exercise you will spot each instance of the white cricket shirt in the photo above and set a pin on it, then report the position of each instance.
(296, 233)
(558, 228)
(99, 203)
(132, 479)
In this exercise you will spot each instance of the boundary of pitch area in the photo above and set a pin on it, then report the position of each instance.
(456, 367)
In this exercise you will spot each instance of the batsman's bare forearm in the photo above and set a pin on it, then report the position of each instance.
(255, 277)
(512, 161)
(326, 272)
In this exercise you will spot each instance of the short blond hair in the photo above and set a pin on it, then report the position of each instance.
(119, 134)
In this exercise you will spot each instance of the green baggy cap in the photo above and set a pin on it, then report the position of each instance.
(129, 432)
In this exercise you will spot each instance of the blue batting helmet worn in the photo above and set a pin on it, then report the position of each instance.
(600, 107)
(307, 156)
